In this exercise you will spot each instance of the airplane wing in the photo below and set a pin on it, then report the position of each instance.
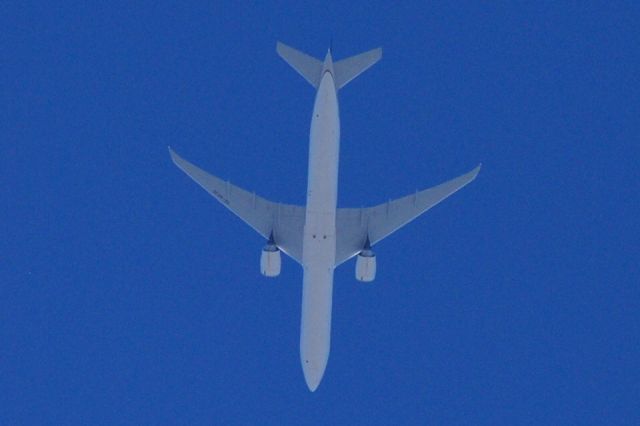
(354, 226)
(285, 221)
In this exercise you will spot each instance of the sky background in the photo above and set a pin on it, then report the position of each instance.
(129, 296)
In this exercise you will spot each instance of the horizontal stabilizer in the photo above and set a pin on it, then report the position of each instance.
(308, 67)
(348, 69)
(344, 70)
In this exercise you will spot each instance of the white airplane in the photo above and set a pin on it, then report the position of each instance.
(321, 236)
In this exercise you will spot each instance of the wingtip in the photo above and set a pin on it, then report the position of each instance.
(174, 157)
(475, 171)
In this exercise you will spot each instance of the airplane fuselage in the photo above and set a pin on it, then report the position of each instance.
(319, 237)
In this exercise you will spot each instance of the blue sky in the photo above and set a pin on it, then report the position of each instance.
(129, 296)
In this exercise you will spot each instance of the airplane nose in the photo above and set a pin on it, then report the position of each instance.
(313, 372)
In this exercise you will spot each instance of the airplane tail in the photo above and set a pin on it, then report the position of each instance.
(344, 70)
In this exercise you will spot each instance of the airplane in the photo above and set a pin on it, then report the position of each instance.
(320, 236)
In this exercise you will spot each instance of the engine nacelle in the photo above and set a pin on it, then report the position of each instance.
(270, 261)
(366, 266)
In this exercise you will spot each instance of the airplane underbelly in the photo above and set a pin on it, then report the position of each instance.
(315, 335)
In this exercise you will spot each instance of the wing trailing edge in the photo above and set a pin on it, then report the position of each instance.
(285, 222)
(354, 226)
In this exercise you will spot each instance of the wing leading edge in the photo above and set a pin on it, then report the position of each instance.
(285, 221)
(353, 226)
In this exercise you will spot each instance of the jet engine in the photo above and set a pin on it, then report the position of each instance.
(366, 266)
(270, 261)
